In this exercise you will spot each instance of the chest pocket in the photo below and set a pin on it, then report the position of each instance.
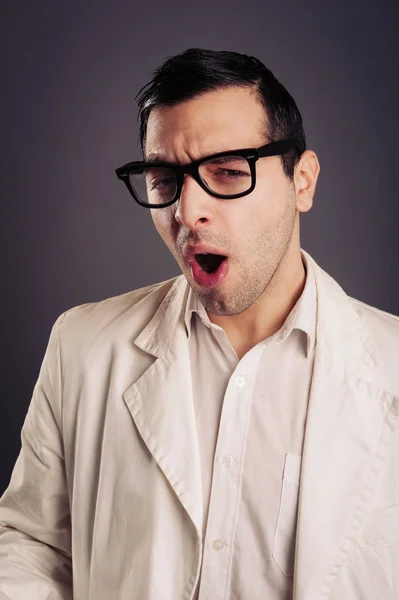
(284, 537)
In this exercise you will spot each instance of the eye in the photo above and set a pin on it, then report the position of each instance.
(226, 168)
(159, 178)
(235, 173)
(162, 183)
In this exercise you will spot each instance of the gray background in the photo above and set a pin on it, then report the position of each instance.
(69, 74)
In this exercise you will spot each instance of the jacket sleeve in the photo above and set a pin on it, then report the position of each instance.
(35, 525)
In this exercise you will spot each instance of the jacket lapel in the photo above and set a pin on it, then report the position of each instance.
(161, 403)
(348, 428)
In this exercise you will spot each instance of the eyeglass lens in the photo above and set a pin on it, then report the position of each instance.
(226, 175)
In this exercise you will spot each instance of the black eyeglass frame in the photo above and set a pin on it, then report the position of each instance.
(251, 154)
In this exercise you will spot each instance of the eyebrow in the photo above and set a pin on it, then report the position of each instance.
(153, 157)
(225, 159)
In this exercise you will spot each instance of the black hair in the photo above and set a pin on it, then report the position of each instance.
(197, 71)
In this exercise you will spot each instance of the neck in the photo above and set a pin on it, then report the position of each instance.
(266, 316)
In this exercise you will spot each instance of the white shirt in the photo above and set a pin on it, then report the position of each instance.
(251, 416)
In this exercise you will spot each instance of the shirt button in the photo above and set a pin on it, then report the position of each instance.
(240, 381)
(217, 545)
(227, 461)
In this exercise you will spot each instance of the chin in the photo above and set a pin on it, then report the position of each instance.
(215, 303)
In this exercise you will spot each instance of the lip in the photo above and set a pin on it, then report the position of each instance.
(201, 277)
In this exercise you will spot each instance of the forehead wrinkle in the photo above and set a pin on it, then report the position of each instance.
(179, 152)
(168, 138)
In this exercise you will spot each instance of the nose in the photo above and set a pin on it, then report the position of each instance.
(195, 206)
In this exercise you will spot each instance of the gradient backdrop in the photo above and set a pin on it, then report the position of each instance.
(70, 71)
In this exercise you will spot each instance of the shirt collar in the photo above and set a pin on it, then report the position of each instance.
(301, 317)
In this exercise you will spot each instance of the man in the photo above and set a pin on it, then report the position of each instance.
(231, 433)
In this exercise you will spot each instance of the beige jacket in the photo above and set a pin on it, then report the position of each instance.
(106, 497)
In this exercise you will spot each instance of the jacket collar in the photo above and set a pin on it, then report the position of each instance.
(160, 332)
(342, 339)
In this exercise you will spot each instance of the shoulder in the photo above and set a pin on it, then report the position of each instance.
(119, 317)
(380, 321)
(383, 328)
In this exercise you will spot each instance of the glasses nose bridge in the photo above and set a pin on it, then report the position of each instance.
(193, 171)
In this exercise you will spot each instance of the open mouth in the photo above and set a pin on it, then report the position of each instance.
(209, 263)
(209, 270)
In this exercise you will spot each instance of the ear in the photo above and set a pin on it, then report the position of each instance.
(305, 178)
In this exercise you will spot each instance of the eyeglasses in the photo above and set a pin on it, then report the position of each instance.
(225, 175)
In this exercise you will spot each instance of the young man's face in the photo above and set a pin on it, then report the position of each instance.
(254, 232)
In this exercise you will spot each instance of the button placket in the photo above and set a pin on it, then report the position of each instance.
(225, 490)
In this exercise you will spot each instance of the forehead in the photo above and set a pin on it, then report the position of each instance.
(214, 121)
